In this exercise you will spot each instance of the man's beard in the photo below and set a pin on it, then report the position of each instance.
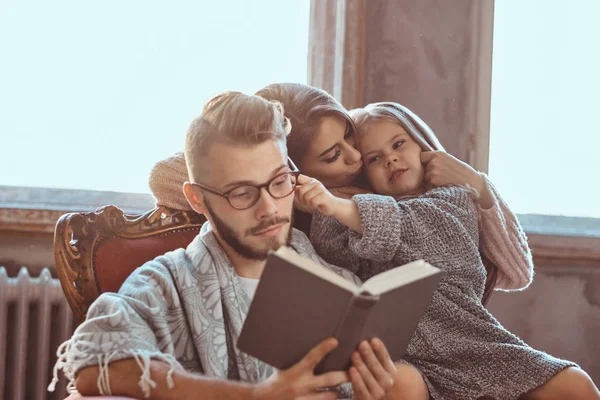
(231, 237)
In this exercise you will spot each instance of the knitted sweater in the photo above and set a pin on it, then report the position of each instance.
(502, 239)
(462, 351)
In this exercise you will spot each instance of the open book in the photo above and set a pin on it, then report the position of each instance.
(299, 303)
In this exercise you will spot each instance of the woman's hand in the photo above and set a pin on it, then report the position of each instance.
(443, 169)
(346, 192)
(311, 195)
(372, 372)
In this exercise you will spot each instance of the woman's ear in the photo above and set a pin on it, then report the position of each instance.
(195, 197)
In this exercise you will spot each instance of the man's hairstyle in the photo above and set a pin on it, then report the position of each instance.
(233, 119)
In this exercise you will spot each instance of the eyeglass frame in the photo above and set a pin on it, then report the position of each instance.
(295, 171)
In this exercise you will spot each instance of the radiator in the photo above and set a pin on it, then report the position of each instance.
(34, 319)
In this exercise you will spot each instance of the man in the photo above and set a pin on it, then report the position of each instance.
(171, 330)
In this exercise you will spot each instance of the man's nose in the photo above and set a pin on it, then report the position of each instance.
(266, 205)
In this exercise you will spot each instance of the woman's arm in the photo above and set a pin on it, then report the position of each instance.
(166, 182)
(504, 242)
(502, 239)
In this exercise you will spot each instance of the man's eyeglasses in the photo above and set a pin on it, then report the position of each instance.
(245, 196)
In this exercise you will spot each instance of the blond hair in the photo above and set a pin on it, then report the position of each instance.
(416, 128)
(233, 119)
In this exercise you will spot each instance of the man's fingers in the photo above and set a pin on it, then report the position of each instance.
(383, 355)
(375, 366)
(330, 379)
(374, 389)
(358, 385)
(317, 353)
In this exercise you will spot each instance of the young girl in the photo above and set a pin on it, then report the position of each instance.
(460, 349)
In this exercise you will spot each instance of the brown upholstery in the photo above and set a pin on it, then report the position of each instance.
(112, 267)
(96, 251)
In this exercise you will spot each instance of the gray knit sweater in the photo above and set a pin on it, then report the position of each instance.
(460, 348)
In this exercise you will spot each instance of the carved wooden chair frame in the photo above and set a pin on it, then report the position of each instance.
(77, 236)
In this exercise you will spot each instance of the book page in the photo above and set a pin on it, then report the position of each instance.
(399, 276)
(308, 265)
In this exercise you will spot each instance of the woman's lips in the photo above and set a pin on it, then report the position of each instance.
(358, 168)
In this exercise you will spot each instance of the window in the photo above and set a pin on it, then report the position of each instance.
(545, 132)
(94, 93)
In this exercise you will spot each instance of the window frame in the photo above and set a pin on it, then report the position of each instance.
(36, 209)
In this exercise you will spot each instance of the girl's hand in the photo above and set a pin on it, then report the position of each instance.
(346, 192)
(442, 169)
(311, 195)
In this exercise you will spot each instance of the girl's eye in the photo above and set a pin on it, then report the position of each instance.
(398, 144)
(334, 158)
(373, 159)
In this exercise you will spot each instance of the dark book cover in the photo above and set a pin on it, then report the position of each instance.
(299, 303)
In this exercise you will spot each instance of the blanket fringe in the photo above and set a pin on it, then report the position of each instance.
(76, 353)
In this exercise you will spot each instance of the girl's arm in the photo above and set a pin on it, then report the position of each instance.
(328, 235)
(376, 228)
(330, 239)
(390, 227)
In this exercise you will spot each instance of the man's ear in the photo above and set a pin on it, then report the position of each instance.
(195, 197)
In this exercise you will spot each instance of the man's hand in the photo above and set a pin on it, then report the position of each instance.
(372, 371)
(311, 195)
(300, 382)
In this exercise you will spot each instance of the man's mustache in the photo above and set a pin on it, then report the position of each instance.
(267, 223)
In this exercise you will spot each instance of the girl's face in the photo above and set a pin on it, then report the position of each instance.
(392, 159)
(332, 157)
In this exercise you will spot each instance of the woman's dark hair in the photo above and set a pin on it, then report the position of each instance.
(304, 106)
